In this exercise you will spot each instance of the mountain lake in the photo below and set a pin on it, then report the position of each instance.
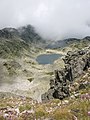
(47, 58)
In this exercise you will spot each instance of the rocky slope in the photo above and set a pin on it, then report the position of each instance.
(18, 50)
(19, 71)
(76, 63)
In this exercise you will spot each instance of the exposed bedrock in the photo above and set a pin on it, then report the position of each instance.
(75, 64)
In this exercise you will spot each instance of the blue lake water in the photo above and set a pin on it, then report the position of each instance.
(47, 58)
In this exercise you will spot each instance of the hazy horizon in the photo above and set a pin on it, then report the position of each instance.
(53, 19)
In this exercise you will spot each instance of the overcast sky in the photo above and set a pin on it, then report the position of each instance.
(53, 19)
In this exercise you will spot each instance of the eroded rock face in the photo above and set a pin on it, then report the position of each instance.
(75, 64)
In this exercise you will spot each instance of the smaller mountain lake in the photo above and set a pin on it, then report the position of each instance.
(47, 58)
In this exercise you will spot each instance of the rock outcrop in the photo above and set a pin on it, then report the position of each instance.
(75, 64)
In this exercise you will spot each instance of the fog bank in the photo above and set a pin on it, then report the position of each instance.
(53, 19)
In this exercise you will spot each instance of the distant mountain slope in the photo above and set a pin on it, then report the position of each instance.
(27, 33)
(67, 42)
(17, 42)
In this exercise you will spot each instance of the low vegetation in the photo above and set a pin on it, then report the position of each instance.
(22, 108)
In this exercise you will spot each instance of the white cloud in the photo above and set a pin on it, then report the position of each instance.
(53, 19)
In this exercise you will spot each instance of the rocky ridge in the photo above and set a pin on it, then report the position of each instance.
(75, 64)
(26, 33)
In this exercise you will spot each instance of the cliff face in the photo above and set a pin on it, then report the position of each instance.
(75, 64)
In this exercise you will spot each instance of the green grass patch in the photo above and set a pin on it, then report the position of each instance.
(24, 107)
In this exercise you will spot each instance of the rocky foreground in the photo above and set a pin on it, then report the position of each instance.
(76, 107)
